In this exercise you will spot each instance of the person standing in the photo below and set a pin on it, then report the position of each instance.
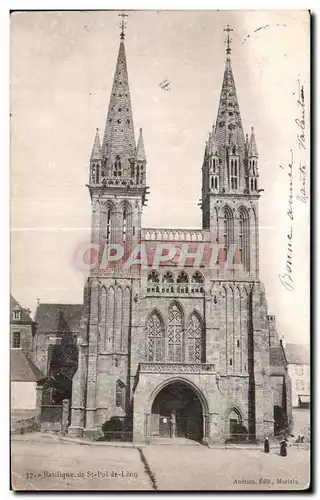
(266, 445)
(283, 448)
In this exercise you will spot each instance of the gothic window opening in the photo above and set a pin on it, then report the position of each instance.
(93, 174)
(153, 282)
(214, 165)
(167, 283)
(138, 175)
(120, 394)
(255, 184)
(227, 231)
(155, 338)
(211, 182)
(16, 315)
(108, 224)
(195, 339)
(244, 239)
(234, 174)
(197, 282)
(117, 172)
(182, 282)
(175, 332)
(124, 225)
(216, 182)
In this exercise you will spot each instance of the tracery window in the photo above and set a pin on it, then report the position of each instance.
(197, 282)
(153, 282)
(175, 331)
(195, 339)
(155, 338)
(182, 282)
(167, 283)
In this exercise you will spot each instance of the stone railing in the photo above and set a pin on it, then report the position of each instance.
(176, 368)
(162, 234)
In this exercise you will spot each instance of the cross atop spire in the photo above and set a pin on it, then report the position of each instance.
(122, 24)
(228, 29)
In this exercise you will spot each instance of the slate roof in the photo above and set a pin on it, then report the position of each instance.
(297, 354)
(22, 369)
(58, 317)
(277, 356)
(24, 316)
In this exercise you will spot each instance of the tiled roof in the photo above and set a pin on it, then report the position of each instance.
(22, 369)
(297, 354)
(24, 315)
(58, 317)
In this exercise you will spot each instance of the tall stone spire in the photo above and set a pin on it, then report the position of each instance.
(252, 150)
(118, 140)
(228, 124)
(141, 155)
(96, 149)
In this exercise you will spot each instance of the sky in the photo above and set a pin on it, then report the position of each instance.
(62, 66)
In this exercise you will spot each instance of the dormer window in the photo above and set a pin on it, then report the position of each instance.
(16, 315)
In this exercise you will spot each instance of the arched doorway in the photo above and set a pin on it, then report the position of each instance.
(177, 412)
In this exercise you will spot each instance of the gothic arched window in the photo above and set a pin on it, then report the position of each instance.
(175, 332)
(124, 224)
(153, 282)
(255, 184)
(197, 282)
(195, 339)
(227, 231)
(182, 282)
(108, 224)
(120, 394)
(167, 283)
(155, 338)
(234, 174)
(117, 171)
(244, 239)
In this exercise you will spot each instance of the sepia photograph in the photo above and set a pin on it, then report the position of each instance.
(160, 250)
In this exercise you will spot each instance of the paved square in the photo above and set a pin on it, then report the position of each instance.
(41, 462)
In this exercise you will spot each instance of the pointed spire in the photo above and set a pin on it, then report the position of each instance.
(253, 150)
(229, 118)
(118, 136)
(96, 149)
(141, 155)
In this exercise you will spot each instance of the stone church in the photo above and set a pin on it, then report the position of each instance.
(176, 350)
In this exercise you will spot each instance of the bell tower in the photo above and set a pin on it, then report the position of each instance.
(230, 191)
(117, 176)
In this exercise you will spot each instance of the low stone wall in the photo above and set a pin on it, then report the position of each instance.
(25, 425)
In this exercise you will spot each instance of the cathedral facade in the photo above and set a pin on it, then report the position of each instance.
(174, 344)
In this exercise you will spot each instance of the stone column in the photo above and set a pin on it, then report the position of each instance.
(39, 390)
(90, 429)
(78, 394)
(65, 415)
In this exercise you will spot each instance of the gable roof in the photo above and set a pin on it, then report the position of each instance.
(24, 316)
(22, 368)
(297, 354)
(277, 356)
(58, 318)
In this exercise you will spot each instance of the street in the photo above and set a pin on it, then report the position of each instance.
(41, 462)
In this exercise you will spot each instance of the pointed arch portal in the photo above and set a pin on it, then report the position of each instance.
(177, 412)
